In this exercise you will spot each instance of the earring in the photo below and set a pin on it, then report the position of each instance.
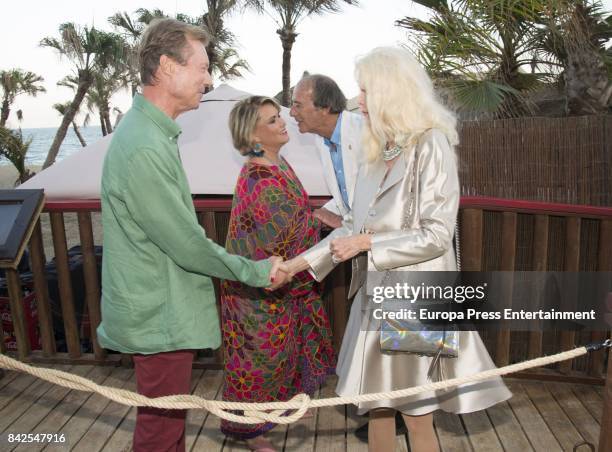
(257, 151)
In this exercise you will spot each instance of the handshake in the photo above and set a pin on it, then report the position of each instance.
(341, 249)
(282, 272)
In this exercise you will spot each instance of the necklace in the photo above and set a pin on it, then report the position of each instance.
(391, 153)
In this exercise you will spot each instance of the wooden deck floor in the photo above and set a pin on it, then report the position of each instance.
(541, 416)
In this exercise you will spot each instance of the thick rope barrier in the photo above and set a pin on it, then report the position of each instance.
(276, 412)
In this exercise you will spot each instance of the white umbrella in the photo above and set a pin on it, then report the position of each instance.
(209, 158)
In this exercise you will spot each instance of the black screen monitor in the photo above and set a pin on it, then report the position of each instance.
(19, 210)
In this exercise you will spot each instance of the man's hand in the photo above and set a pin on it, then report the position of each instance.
(327, 217)
(344, 248)
(279, 273)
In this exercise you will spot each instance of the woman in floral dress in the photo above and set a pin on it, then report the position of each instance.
(276, 344)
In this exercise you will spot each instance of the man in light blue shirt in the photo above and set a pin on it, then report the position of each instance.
(335, 146)
(319, 108)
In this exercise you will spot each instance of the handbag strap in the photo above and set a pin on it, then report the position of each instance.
(413, 189)
(457, 245)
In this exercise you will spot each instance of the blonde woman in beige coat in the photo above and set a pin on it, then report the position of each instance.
(389, 229)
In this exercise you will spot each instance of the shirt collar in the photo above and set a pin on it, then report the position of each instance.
(167, 125)
(336, 135)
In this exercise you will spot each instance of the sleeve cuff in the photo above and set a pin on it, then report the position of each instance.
(264, 268)
(322, 266)
(379, 250)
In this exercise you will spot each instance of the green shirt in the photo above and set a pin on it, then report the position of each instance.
(157, 294)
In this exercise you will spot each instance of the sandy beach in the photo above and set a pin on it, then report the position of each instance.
(8, 176)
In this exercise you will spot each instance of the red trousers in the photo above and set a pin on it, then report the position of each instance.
(158, 375)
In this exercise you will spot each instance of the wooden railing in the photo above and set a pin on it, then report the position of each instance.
(555, 237)
(496, 235)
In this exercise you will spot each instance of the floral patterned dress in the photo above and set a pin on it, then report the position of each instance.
(276, 344)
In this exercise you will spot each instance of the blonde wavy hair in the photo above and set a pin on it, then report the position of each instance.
(400, 100)
(243, 121)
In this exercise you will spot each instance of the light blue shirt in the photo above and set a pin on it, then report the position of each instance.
(335, 151)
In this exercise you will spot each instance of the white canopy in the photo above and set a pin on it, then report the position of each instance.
(209, 158)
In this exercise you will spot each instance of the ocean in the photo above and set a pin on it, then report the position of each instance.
(43, 137)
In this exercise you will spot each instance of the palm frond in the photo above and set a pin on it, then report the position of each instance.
(126, 25)
(479, 95)
(436, 5)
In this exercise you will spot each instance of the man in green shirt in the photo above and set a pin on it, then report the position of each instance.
(158, 301)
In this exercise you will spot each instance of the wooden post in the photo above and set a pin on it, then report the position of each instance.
(65, 284)
(604, 264)
(605, 431)
(572, 264)
(2, 346)
(17, 314)
(339, 304)
(508, 257)
(539, 263)
(209, 224)
(92, 284)
(45, 320)
(471, 240)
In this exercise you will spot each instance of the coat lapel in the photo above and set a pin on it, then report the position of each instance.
(398, 171)
(368, 181)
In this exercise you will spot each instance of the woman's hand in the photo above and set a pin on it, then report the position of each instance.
(344, 248)
(296, 265)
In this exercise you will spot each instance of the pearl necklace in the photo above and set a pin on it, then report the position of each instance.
(390, 154)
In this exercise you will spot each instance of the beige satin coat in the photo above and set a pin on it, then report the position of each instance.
(410, 231)
(403, 238)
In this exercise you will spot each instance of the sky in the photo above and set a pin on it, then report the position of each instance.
(327, 44)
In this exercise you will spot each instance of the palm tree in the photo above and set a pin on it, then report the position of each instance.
(131, 29)
(222, 54)
(15, 82)
(14, 148)
(98, 97)
(576, 34)
(224, 59)
(228, 64)
(106, 83)
(119, 116)
(491, 55)
(88, 49)
(486, 53)
(61, 109)
(288, 14)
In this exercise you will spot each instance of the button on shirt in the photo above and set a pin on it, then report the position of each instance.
(335, 151)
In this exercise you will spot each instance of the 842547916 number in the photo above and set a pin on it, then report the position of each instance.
(14, 438)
